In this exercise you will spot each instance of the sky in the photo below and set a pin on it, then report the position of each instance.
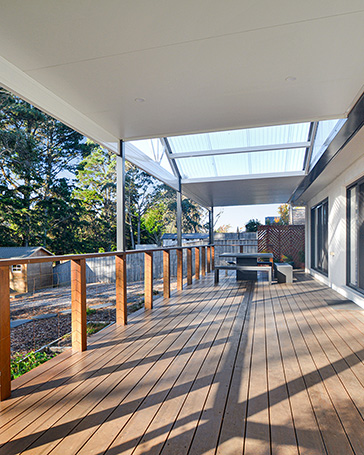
(241, 214)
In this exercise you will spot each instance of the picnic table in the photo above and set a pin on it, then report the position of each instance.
(247, 259)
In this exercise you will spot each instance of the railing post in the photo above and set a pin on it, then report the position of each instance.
(203, 261)
(148, 280)
(166, 274)
(213, 257)
(78, 295)
(208, 259)
(5, 373)
(121, 291)
(179, 252)
(197, 263)
(189, 265)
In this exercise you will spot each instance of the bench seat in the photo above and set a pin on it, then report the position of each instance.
(284, 272)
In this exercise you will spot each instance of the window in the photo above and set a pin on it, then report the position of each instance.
(16, 268)
(355, 235)
(319, 237)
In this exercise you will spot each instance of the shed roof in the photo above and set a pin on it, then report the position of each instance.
(21, 251)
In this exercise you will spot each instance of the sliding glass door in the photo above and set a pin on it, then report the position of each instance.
(319, 237)
(355, 235)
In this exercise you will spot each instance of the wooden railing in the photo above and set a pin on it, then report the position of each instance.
(78, 292)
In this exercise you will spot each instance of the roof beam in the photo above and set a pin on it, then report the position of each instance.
(261, 148)
(169, 154)
(243, 177)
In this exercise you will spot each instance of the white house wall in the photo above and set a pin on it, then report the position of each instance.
(336, 194)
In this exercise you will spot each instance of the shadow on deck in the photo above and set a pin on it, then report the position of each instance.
(228, 369)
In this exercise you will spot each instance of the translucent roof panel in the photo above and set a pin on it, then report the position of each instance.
(275, 161)
(155, 150)
(326, 131)
(252, 137)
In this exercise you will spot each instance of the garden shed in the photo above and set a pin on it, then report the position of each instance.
(28, 277)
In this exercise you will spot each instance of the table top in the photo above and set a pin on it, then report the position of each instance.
(246, 255)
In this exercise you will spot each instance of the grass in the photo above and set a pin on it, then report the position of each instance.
(94, 327)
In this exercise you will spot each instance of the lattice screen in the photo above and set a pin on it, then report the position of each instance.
(282, 240)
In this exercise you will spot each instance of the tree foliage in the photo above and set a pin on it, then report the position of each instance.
(58, 190)
(283, 211)
(252, 225)
(224, 228)
(35, 153)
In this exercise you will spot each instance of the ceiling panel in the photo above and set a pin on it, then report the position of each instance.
(273, 190)
(200, 66)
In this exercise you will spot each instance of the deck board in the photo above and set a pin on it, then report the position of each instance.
(237, 368)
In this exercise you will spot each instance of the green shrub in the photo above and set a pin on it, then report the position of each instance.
(90, 311)
(21, 365)
(252, 225)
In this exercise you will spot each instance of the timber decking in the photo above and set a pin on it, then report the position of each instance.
(238, 368)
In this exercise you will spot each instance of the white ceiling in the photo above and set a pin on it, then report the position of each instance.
(200, 65)
(248, 191)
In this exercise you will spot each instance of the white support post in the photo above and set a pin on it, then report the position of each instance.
(120, 202)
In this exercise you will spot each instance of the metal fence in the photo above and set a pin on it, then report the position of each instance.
(102, 270)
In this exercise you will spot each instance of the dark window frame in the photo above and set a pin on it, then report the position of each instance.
(319, 236)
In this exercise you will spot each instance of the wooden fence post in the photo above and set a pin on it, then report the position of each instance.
(203, 261)
(208, 259)
(197, 263)
(166, 274)
(213, 257)
(78, 295)
(5, 374)
(121, 290)
(189, 265)
(179, 252)
(148, 280)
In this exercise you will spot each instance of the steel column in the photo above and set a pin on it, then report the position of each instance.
(179, 218)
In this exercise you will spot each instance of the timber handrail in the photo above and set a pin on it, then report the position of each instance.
(68, 257)
(78, 291)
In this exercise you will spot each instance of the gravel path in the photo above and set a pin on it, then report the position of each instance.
(39, 332)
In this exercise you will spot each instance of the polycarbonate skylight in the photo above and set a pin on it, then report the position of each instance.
(326, 131)
(275, 161)
(266, 150)
(253, 151)
(155, 150)
(252, 137)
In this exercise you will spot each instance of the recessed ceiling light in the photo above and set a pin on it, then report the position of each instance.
(290, 79)
(139, 100)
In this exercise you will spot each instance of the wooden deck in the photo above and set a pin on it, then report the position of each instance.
(228, 369)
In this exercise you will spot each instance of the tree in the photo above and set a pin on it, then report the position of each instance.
(96, 191)
(141, 192)
(283, 211)
(252, 225)
(223, 228)
(35, 151)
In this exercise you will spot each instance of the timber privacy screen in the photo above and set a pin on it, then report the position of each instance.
(287, 243)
